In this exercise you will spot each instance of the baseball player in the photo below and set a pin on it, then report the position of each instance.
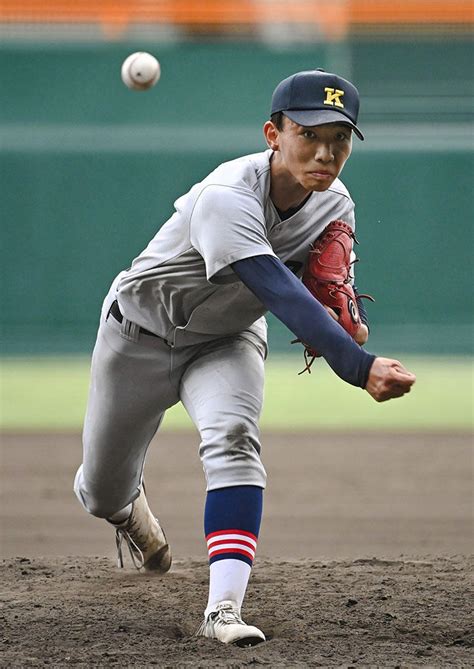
(185, 323)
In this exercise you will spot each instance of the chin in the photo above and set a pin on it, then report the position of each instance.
(317, 186)
(320, 188)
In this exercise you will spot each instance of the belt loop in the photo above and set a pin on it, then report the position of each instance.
(129, 330)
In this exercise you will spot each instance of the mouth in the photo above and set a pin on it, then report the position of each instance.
(322, 175)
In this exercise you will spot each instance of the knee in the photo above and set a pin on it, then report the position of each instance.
(241, 441)
(238, 439)
(231, 455)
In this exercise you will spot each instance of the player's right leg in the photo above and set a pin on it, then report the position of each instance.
(129, 393)
(222, 390)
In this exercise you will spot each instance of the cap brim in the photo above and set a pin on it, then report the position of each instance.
(309, 117)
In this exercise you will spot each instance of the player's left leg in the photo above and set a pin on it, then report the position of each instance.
(222, 391)
(129, 392)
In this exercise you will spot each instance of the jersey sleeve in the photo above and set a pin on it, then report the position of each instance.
(227, 224)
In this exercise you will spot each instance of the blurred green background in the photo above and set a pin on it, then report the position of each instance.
(41, 394)
(90, 170)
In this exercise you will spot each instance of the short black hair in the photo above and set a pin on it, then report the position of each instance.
(278, 120)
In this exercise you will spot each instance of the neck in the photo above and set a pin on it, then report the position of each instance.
(285, 191)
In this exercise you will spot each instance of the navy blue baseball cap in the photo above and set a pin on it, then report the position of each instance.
(315, 97)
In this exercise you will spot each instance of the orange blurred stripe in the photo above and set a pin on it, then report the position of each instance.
(414, 11)
(210, 12)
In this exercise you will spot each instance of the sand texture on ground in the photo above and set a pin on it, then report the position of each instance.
(363, 558)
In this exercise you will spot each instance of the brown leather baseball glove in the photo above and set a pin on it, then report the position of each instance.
(327, 276)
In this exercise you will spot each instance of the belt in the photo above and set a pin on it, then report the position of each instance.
(117, 314)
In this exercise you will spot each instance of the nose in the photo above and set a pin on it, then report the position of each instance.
(324, 153)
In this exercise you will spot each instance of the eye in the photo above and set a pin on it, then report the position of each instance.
(342, 136)
(309, 134)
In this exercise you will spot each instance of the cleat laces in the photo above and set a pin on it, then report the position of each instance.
(222, 617)
(136, 554)
(144, 537)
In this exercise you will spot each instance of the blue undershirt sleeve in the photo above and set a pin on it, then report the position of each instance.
(282, 293)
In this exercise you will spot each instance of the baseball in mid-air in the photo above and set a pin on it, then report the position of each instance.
(140, 71)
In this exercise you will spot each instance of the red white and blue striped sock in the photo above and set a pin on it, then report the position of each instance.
(231, 522)
(232, 543)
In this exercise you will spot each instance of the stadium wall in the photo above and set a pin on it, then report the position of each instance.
(90, 170)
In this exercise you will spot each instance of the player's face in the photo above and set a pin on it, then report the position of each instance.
(313, 157)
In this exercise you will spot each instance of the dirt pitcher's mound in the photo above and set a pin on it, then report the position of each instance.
(390, 613)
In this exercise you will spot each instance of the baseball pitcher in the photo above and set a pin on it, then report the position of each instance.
(186, 323)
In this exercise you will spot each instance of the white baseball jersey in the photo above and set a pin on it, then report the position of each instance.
(182, 288)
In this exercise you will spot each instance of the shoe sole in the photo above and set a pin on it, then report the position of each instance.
(159, 561)
(248, 641)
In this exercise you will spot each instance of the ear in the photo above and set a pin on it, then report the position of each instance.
(272, 135)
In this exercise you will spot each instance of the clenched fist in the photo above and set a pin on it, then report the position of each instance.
(388, 379)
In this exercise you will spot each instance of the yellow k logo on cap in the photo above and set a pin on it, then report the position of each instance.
(333, 97)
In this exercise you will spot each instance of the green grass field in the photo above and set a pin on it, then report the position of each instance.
(50, 394)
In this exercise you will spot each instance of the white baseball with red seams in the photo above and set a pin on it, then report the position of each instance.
(140, 71)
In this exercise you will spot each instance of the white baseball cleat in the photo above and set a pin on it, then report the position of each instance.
(226, 625)
(144, 537)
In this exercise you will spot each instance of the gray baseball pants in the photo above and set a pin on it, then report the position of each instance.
(136, 377)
